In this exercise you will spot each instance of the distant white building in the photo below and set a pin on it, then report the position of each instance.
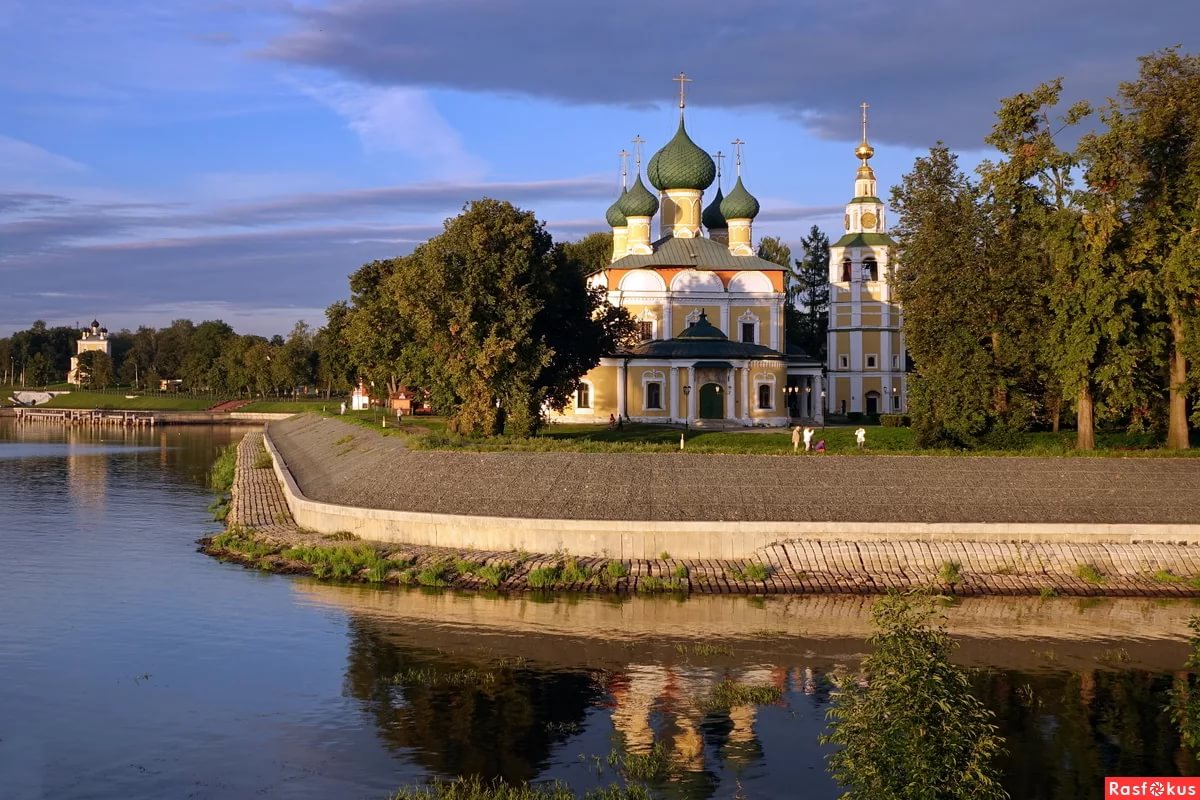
(361, 399)
(94, 338)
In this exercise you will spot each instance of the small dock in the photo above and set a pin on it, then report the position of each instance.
(86, 416)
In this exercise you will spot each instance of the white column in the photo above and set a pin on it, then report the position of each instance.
(725, 320)
(667, 329)
(620, 390)
(730, 406)
(822, 405)
(691, 398)
(673, 387)
(775, 327)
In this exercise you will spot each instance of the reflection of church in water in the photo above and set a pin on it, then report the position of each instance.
(710, 312)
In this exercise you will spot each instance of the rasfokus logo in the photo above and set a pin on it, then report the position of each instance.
(1151, 787)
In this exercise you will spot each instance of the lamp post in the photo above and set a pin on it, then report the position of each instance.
(895, 399)
(823, 410)
(808, 399)
(687, 406)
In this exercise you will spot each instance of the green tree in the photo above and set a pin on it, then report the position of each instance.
(940, 232)
(502, 320)
(37, 370)
(592, 253)
(374, 332)
(171, 346)
(95, 369)
(908, 727)
(298, 357)
(773, 249)
(1147, 165)
(335, 370)
(199, 368)
(808, 296)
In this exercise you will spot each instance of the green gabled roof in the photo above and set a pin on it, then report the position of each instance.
(865, 199)
(864, 239)
(698, 253)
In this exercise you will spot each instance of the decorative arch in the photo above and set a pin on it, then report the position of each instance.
(748, 317)
(653, 396)
(643, 280)
(692, 280)
(751, 281)
(764, 391)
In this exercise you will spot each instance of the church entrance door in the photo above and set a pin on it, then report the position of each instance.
(712, 401)
(872, 402)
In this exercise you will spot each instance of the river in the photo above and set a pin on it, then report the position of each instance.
(132, 666)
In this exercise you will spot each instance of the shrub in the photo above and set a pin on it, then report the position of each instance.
(895, 420)
(220, 476)
(854, 416)
(950, 573)
(544, 577)
(617, 569)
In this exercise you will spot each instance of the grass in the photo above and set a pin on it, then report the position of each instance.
(702, 649)
(544, 577)
(950, 573)
(290, 406)
(241, 540)
(219, 507)
(138, 402)
(616, 569)
(494, 574)
(475, 788)
(339, 563)
(439, 573)
(1047, 592)
(653, 583)
(1166, 576)
(220, 475)
(263, 460)
(574, 572)
(1089, 573)
(730, 694)
(751, 572)
(426, 676)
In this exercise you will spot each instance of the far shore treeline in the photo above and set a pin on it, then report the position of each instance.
(1059, 287)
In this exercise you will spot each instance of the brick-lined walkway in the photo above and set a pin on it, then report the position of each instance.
(792, 567)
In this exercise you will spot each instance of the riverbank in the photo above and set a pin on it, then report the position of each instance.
(42, 415)
(262, 533)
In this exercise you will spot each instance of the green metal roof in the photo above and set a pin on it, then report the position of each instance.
(681, 164)
(739, 204)
(698, 253)
(863, 239)
(638, 201)
(614, 216)
(702, 339)
(865, 199)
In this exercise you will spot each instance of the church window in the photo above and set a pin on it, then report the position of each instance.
(844, 362)
(654, 395)
(764, 395)
(748, 332)
(846, 271)
(870, 270)
(872, 362)
(895, 362)
(583, 396)
(646, 330)
(896, 402)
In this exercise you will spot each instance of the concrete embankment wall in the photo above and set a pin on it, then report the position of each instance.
(323, 460)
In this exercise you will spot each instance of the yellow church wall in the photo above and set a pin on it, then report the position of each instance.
(870, 346)
(842, 339)
(84, 347)
(636, 311)
(763, 315)
(778, 401)
(841, 393)
(638, 378)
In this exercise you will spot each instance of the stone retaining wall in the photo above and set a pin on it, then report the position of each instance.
(264, 499)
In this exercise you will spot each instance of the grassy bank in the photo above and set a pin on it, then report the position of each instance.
(148, 402)
(291, 406)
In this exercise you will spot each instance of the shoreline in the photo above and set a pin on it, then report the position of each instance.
(262, 534)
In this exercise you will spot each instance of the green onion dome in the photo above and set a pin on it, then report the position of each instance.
(681, 164)
(739, 204)
(712, 218)
(614, 216)
(638, 202)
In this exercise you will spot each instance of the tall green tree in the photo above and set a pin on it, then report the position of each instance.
(335, 370)
(773, 249)
(95, 370)
(940, 231)
(502, 320)
(808, 295)
(592, 253)
(374, 332)
(1147, 165)
(908, 727)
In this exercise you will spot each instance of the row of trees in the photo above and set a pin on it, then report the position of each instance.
(1063, 280)
(208, 357)
(806, 285)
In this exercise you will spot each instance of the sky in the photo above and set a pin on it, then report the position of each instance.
(237, 159)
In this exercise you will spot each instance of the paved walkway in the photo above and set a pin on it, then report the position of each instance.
(792, 567)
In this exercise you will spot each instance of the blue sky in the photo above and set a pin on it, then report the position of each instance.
(237, 159)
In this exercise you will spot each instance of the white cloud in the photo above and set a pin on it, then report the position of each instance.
(403, 120)
(23, 159)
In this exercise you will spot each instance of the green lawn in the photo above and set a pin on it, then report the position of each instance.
(153, 402)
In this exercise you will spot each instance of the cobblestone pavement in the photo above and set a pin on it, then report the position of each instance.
(337, 462)
(791, 567)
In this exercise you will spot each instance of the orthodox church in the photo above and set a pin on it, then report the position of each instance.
(710, 312)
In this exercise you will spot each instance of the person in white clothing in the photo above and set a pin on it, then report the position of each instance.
(808, 434)
(860, 436)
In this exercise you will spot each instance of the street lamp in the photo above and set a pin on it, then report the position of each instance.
(687, 408)
(823, 410)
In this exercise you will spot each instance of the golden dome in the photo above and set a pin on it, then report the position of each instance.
(864, 151)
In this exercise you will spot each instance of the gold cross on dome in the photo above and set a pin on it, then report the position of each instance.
(720, 157)
(638, 141)
(737, 149)
(864, 107)
(683, 81)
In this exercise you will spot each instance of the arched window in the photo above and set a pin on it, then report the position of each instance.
(846, 271)
(652, 389)
(764, 395)
(583, 396)
(870, 270)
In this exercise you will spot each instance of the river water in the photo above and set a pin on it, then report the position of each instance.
(132, 666)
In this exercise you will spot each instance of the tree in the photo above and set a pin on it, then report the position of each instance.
(772, 248)
(298, 357)
(592, 253)
(171, 346)
(335, 371)
(907, 727)
(1147, 165)
(95, 369)
(502, 321)
(374, 332)
(808, 296)
(939, 232)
